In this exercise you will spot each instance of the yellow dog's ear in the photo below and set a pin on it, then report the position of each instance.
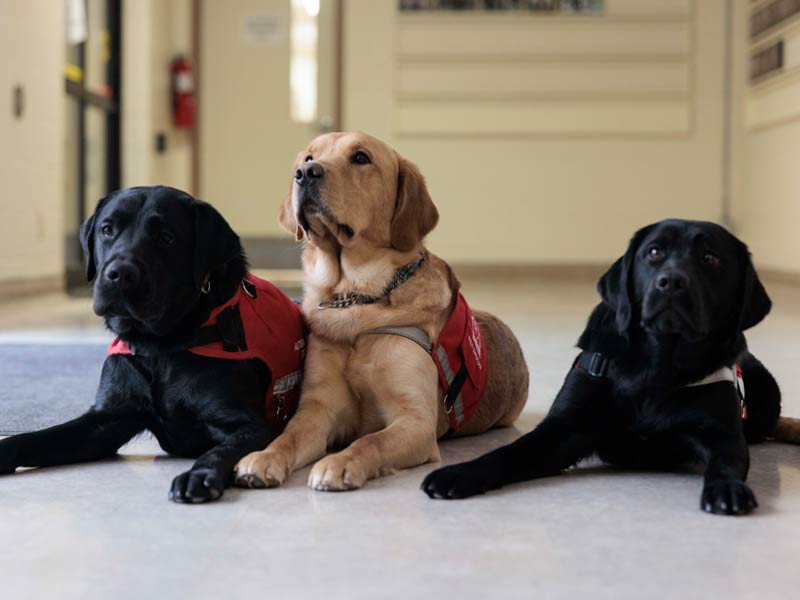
(286, 216)
(287, 220)
(415, 214)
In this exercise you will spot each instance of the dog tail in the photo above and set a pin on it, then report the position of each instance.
(787, 430)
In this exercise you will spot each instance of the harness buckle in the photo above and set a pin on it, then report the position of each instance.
(448, 406)
(597, 365)
(249, 288)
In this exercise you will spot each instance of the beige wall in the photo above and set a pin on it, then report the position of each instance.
(581, 161)
(31, 148)
(767, 211)
(522, 143)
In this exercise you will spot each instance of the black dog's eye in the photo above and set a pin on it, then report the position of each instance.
(655, 253)
(308, 158)
(166, 238)
(360, 158)
(107, 230)
(711, 259)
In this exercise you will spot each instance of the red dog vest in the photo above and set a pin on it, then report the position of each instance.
(462, 362)
(460, 358)
(273, 331)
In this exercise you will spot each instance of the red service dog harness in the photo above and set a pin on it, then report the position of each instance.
(460, 357)
(260, 322)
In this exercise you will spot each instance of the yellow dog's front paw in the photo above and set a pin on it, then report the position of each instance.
(261, 469)
(337, 472)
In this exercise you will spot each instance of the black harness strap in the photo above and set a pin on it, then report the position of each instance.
(456, 385)
(594, 363)
(231, 329)
(228, 329)
(452, 394)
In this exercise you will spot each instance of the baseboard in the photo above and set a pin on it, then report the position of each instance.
(779, 276)
(262, 252)
(272, 253)
(19, 288)
(568, 272)
(294, 275)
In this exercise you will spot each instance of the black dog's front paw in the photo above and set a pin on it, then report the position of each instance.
(458, 481)
(197, 485)
(727, 497)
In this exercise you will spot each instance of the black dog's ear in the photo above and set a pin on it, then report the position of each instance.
(615, 285)
(754, 302)
(215, 243)
(86, 236)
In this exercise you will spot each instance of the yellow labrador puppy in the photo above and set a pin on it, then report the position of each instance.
(396, 359)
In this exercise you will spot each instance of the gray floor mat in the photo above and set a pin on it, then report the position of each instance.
(43, 385)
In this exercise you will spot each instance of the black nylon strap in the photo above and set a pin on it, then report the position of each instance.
(207, 335)
(456, 385)
(231, 329)
(228, 329)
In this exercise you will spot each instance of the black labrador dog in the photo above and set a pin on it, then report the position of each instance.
(657, 382)
(161, 262)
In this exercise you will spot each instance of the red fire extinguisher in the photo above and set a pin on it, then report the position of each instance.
(183, 106)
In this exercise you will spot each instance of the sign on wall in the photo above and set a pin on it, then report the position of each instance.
(263, 30)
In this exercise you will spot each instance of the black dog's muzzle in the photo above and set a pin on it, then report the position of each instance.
(122, 274)
(122, 288)
(673, 305)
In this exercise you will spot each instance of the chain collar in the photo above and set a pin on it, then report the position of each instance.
(401, 275)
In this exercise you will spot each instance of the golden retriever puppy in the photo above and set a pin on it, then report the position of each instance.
(396, 359)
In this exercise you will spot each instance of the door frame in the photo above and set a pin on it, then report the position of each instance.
(111, 106)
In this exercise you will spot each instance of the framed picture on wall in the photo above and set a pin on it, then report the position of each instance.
(772, 14)
(542, 6)
(766, 61)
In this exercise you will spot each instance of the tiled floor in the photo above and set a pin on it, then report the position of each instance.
(106, 530)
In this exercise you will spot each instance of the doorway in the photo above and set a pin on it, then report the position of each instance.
(269, 80)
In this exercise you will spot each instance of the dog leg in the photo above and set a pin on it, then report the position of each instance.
(213, 471)
(396, 376)
(93, 436)
(566, 435)
(727, 461)
(410, 440)
(547, 450)
(324, 414)
(305, 440)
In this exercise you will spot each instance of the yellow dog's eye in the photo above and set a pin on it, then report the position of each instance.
(308, 158)
(360, 158)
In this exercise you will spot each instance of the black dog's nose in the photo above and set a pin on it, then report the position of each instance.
(672, 282)
(308, 172)
(123, 274)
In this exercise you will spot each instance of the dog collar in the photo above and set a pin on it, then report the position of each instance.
(401, 275)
